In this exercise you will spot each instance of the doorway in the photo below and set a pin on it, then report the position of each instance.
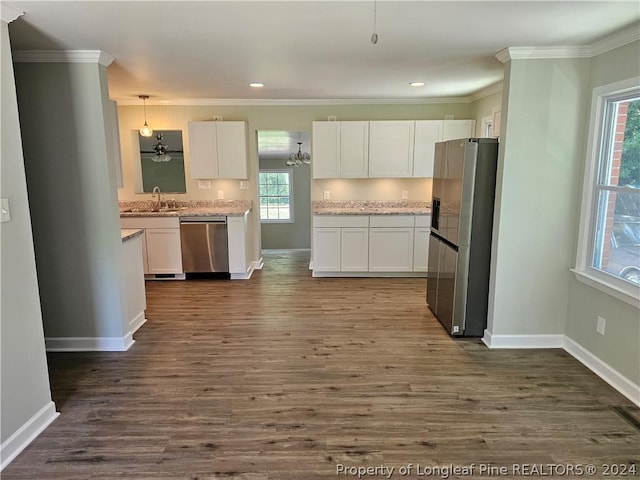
(284, 190)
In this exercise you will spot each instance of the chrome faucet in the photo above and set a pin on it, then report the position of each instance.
(155, 190)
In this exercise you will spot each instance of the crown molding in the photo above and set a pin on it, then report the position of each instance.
(292, 102)
(8, 13)
(485, 92)
(63, 56)
(539, 53)
(619, 39)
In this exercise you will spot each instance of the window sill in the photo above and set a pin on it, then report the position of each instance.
(606, 284)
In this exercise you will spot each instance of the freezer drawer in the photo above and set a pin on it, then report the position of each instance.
(204, 246)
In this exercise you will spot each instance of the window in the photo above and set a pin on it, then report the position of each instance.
(276, 195)
(609, 249)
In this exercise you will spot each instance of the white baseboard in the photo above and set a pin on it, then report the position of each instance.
(610, 375)
(311, 265)
(522, 341)
(12, 446)
(89, 344)
(258, 264)
(136, 322)
(607, 373)
(317, 274)
(255, 265)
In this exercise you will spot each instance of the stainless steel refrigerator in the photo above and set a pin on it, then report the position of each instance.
(464, 180)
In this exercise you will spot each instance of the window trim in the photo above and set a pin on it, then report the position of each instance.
(289, 171)
(583, 270)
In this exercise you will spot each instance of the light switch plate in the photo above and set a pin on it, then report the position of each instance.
(244, 184)
(326, 195)
(220, 194)
(6, 213)
(405, 194)
(204, 184)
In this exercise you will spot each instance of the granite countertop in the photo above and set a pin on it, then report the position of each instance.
(371, 207)
(129, 233)
(199, 208)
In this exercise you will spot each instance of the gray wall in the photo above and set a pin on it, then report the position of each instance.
(24, 381)
(620, 347)
(73, 197)
(297, 234)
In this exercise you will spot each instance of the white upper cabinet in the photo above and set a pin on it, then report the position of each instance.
(325, 150)
(453, 129)
(354, 149)
(427, 134)
(391, 148)
(218, 149)
(340, 149)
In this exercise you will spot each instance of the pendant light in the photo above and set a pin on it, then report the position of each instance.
(374, 35)
(146, 130)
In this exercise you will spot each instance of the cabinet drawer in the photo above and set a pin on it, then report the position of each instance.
(340, 221)
(391, 221)
(149, 222)
(423, 220)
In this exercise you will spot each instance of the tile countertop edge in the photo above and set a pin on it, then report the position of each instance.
(129, 233)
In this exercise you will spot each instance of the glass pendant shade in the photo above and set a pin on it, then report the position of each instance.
(146, 130)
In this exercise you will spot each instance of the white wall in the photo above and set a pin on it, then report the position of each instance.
(25, 396)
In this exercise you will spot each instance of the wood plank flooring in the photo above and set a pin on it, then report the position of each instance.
(287, 377)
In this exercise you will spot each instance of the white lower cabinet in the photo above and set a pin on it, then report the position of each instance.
(326, 249)
(164, 254)
(391, 249)
(161, 247)
(354, 251)
(370, 244)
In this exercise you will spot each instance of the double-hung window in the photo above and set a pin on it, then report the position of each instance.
(609, 241)
(276, 195)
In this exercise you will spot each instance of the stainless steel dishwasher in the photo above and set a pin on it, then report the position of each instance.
(205, 247)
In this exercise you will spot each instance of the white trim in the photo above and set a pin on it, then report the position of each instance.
(322, 274)
(89, 344)
(610, 375)
(522, 341)
(485, 92)
(8, 13)
(616, 40)
(63, 56)
(255, 265)
(291, 101)
(538, 53)
(136, 322)
(27, 433)
(607, 286)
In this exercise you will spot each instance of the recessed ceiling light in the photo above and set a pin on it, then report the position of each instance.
(417, 84)
(256, 85)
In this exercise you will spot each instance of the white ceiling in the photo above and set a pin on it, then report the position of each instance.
(309, 49)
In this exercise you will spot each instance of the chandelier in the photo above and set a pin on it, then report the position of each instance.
(298, 158)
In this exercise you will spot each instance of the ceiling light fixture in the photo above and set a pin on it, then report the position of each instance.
(374, 35)
(146, 130)
(256, 85)
(417, 84)
(298, 158)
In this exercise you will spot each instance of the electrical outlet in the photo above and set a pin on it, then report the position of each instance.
(204, 184)
(220, 194)
(326, 195)
(405, 194)
(244, 185)
(600, 325)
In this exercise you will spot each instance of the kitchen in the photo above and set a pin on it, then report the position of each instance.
(551, 309)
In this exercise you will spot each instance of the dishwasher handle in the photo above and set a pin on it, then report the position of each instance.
(203, 220)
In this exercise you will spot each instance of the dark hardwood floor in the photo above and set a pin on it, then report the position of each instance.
(288, 377)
